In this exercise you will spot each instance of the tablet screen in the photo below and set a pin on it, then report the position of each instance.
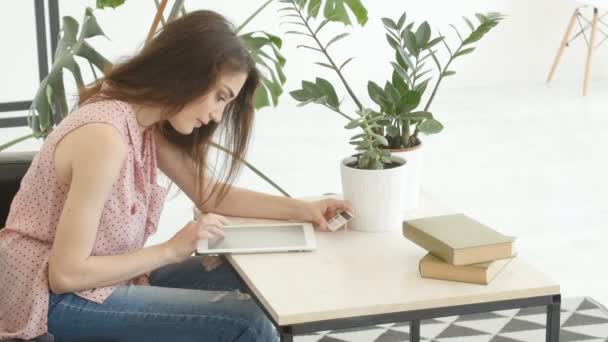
(260, 237)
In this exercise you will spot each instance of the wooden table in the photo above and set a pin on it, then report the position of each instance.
(357, 279)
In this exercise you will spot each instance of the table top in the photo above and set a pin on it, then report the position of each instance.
(354, 274)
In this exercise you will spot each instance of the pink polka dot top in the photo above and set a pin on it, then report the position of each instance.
(129, 217)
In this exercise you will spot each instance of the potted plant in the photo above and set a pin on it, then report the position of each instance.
(373, 178)
(398, 119)
(400, 101)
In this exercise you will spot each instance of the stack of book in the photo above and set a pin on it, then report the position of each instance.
(460, 248)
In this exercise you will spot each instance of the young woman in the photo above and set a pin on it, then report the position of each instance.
(72, 255)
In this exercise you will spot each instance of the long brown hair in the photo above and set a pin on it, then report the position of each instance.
(182, 62)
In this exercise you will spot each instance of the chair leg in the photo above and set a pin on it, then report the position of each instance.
(590, 51)
(563, 45)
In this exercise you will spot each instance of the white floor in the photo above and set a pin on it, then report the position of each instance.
(528, 160)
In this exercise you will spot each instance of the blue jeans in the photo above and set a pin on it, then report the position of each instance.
(184, 303)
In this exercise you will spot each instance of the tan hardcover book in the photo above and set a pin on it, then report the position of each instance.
(482, 273)
(458, 239)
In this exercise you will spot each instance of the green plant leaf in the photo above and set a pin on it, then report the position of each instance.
(393, 94)
(325, 22)
(335, 10)
(469, 23)
(448, 73)
(364, 161)
(401, 21)
(401, 72)
(90, 27)
(311, 88)
(353, 124)
(335, 39)
(358, 10)
(423, 34)
(389, 23)
(325, 65)
(430, 126)
(421, 87)
(300, 95)
(408, 102)
(482, 18)
(257, 43)
(410, 42)
(299, 33)
(376, 164)
(93, 56)
(313, 7)
(328, 90)
(51, 92)
(310, 48)
(345, 63)
(406, 58)
(421, 115)
(392, 42)
(399, 83)
(464, 52)
(375, 93)
(260, 98)
(457, 33)
(392, 131)
(101, 4)
(433, 42)
(380, 139)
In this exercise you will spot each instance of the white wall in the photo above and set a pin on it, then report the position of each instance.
(520, 50)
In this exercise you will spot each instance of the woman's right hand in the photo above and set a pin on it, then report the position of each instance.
(184, 242)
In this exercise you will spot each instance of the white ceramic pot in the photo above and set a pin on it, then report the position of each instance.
(376, 196)
(411, 186)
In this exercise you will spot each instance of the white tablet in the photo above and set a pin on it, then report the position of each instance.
(261, 238)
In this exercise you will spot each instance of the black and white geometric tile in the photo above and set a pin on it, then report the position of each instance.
(582, 319)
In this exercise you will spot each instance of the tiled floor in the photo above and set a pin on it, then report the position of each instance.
(581, 320)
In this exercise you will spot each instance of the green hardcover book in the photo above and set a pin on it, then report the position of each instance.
(482, 273)
(458, 239)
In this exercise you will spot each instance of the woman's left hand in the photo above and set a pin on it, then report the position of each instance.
(319, 212)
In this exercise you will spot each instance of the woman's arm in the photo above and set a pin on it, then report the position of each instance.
(92, 157)
(239, 202)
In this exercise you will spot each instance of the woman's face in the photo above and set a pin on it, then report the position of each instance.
(210, 106)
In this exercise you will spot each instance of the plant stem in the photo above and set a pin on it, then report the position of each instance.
(253, 16)
(428, 104)
(405, 135)
(93, 71)
(331, 61)
(16, 141)
(339, 112)
(254, 169)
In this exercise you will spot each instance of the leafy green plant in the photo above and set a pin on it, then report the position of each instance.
(368, 143)
(400, 99)
(398, 119)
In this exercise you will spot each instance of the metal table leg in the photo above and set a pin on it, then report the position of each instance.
(553, 319)
(415, 331)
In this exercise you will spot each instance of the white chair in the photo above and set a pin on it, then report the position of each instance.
(585, 25)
